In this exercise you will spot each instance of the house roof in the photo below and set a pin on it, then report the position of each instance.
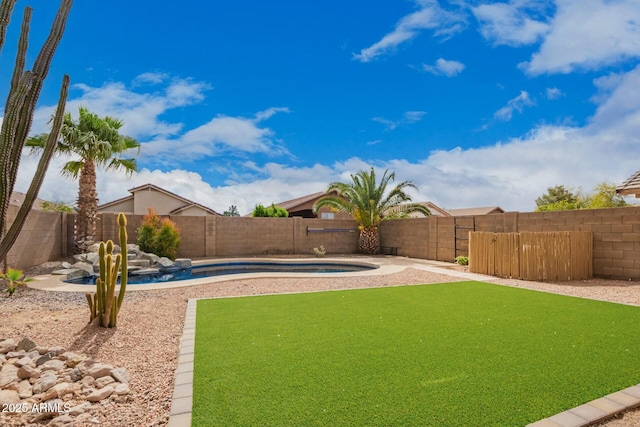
(293, 203)
(188, 203)
(630, 186)
(475, 211)
(17, 199)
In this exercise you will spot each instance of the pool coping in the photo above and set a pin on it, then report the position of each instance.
(55, 282)
(583, 415)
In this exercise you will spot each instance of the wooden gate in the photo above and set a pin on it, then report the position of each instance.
(545, 256)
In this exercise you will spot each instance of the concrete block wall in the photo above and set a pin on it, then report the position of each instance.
(616, 235)
(44, 237)
(410, 236)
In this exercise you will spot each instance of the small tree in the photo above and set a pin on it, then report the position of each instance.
(272, 211)
(159, 236)
(558, 198)
(56, 207)
(232, 211)
(604, 196)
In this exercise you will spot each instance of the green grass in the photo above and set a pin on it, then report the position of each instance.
(454, 354)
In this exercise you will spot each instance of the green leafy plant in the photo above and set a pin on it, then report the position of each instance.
(56, 207)
(319, 251)
(159, 236)
(462, 260)
(272, 211)
(105, 304)
(14, 278)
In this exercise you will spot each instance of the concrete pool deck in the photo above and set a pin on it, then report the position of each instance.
(385, 264)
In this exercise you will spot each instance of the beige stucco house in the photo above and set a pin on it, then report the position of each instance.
(162, 201)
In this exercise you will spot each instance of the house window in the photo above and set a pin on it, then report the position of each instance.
(327, 215)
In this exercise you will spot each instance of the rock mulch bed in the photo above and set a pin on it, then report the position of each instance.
(39, 383)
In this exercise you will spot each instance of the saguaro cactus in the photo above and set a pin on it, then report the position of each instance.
(21, 102)
(105, 304)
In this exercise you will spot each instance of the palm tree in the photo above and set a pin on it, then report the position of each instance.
(97, 142)
(370, 203)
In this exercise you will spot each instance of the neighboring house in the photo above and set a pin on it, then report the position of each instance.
(476, 211)
(303, 207)
(631, 186)
(17, 199)
(162, 201)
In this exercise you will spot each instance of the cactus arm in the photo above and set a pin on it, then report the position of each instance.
(21, 56)
(111, 289)
(6, 8)
(36, 182)
(122, 223)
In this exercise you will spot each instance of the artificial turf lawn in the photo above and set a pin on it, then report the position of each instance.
(452, 354)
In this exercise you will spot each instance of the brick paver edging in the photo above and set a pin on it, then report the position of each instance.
(182, 402)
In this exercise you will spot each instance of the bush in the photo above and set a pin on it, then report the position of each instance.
(159, 236)
(272, 211)
(462, 260)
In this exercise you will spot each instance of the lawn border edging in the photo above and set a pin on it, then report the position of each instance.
(182, 400)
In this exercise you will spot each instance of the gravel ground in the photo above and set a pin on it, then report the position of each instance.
(146, 341)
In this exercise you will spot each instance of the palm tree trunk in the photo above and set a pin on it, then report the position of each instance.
(369, 241)
(87, 207)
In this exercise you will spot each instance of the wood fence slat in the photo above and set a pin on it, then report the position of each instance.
(544, 256)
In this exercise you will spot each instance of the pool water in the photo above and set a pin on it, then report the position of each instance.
(220, 269)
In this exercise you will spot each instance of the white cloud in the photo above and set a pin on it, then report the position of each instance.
(428, 16)
(553, 93)
(408, 118)
(588, 34)
(140, 111)
(444, 67)
(150, 79)
(516, 104)
(510, 23)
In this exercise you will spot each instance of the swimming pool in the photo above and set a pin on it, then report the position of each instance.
(235, 267)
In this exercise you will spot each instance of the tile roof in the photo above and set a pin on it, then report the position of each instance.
(475, 211)
(630, 186)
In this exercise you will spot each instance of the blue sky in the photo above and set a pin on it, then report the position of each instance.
(479, 103)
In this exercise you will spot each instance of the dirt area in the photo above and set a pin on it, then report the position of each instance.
(146, 341)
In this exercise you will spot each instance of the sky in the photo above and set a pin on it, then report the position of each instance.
(478, 103)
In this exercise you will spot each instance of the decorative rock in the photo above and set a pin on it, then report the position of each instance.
(182, 263)
(79, 409)
(8, 374)
(121, 375)
(43, 359)
(121, 389)
(62, 421)
(64, 385)
(65, 265)
(56, 351)
(98, 395)
(45, 382)
(28, 371)
(24, 361)
(151, 257)
(94, 369)
(53, 365)
(84, 266)
(41, 350)
(165, 262)
(7, 345)
(73, 359)
(24, 389)
(25, 344)
(103, 381)
(9, 396)
(75, 374)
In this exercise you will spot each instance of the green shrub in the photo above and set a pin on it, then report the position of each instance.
(462, 260)
(159, 236)
(272, 211)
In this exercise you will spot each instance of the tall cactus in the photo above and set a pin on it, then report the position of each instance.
(105, 304)
(20, 106)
